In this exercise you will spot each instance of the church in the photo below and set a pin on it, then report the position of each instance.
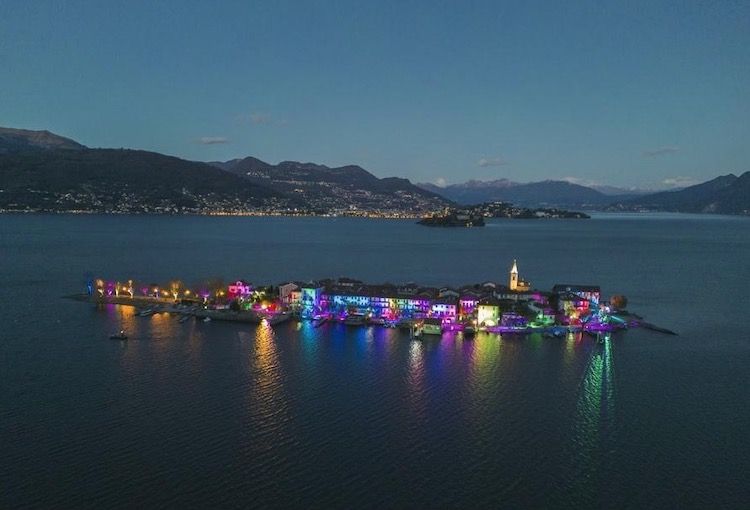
(517, 284)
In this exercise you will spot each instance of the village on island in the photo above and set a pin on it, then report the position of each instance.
(512, 308)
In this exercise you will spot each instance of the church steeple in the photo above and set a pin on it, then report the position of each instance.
(514, 276)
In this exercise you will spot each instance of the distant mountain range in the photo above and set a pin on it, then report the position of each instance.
(532, 194)
(727, 194)
(41, 171)
(325, 188)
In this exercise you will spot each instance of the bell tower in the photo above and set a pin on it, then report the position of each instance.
(513, 276)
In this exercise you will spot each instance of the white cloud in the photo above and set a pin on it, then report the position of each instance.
(440, 181)
(580, 181)
(260, 119)
(680, 181)
(496, 161)
(212, 140)
(660, 151)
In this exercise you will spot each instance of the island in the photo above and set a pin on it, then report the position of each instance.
(473, 216)
(512, 307)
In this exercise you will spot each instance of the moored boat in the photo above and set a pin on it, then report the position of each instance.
(354, 319)
(432, 327)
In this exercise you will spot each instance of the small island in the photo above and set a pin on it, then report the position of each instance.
(473, 216)
(492, 307)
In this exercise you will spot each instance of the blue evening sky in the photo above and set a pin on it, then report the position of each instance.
(623, 93)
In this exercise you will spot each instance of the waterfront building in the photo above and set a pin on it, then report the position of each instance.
(580, 297)
(285, 292)
(444, 308)
(488, 312)
(468, 304)
(310, 300)
(239, 289)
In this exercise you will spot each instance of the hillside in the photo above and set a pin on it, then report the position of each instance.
(24, 140)
(727, 194)
(325, 188)
(42, 172)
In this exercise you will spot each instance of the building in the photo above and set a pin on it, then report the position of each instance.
(287, 293)
(488, 312)
(239, 289)
(444, 308)
(590, 293)
(574, 301)
(516, 283)
(468, 304)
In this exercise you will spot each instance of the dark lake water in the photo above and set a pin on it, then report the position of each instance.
(223, 415)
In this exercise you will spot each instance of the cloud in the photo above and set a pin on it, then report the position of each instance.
(260, 119)
(680, 181)
(660, 151)
(497, 161)
(440, 181)
(212, 140)
(580, 181)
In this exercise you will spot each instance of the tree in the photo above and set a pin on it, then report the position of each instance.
(618, 302)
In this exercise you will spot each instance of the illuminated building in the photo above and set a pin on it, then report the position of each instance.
(517, 284)
(239, 289)
(444, 308)
(488, 312)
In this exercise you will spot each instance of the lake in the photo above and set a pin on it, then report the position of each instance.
(229, 415)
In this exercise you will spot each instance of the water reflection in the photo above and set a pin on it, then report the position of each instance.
(416, 379)
(594, 414)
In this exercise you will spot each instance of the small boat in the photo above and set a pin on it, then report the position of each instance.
(317, 322)
(207, 319)
(432, 327)
(404, 324)
(354, 319)
(184, 318)
(469, 331)
(119, 336)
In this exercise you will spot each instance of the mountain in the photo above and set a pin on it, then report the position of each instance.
(620, 193)
(336, 188)
(40, 171)
(727, 194)
(24, 140)
(533, 194)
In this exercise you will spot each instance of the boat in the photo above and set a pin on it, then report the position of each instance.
(404, 324)
(432, 327)
(206, 319)
(319, 321)
(184, 318)
(354, 319)
(469, 330)
(119, 336)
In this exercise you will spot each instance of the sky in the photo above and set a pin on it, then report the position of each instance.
(635, 94)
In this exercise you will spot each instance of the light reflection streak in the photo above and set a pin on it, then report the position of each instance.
(416, 378)
(594, 414)
(266, 390)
